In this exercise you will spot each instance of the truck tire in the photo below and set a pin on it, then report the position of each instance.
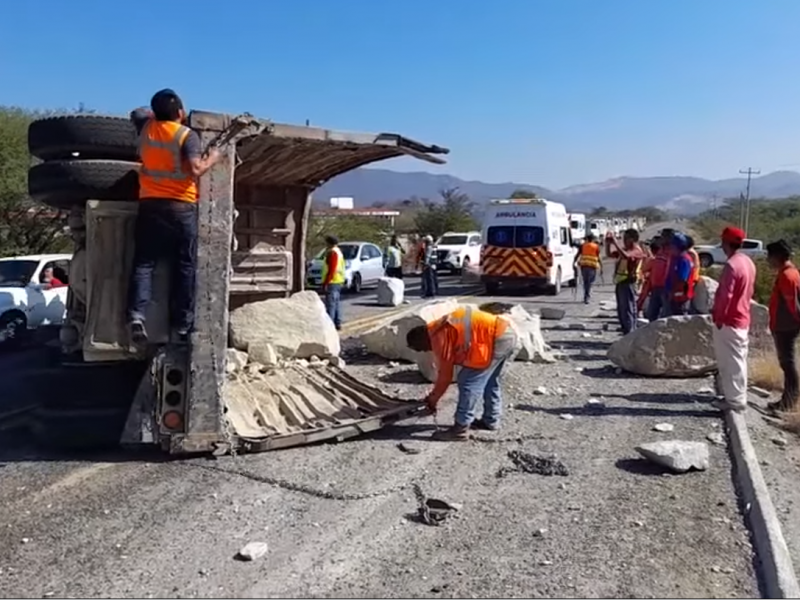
(63, 184)
(13, 328)
(555, 289)
(88, 136)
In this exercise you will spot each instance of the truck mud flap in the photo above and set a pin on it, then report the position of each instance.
(300, 405)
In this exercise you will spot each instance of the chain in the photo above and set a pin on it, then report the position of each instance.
(308, 490)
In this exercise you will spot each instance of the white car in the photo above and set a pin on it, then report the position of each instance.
(363, 266)
(714, 255)
(454, 251)
(26, 301)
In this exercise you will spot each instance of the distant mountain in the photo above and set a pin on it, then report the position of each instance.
(684, 195)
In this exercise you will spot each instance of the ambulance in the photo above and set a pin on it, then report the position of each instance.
(527, 242)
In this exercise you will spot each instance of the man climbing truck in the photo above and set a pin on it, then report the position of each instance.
(257, 196)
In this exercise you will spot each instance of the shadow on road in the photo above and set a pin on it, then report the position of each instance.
(618, 411)
(640, 466)
(407, 376)
(581, 344)
(659, 398)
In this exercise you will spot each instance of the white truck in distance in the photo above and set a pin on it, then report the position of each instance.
(26, 300)
(713, 255)
(456, 251)
(577, 225)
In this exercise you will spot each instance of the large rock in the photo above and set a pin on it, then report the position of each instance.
(530, 342)
(704, 292)
(296, 327)
(677, 455)
(390, 291)
(552, 313)
(388, 338)
(671, 347)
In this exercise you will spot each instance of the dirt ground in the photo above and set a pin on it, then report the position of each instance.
(613, 527)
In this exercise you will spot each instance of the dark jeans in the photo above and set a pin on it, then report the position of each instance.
(430, 284)
(677, 309)
(396, 272)
(785, 343)
(626, 306)
(333, 303)
(656, 308)
(165, 230)
(588, 274)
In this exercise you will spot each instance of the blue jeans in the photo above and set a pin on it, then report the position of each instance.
(474, 384)
(588, 275)
(165, 230)
(333, 303)
(430, 285)
(626, 306)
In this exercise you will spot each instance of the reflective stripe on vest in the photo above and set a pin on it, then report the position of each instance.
(393, 257)
(467, 355)
(155, 178)
(621, 274)
(590, 255)
(339, 276)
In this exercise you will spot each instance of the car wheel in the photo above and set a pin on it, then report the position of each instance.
(555, 289)
(66, 183)
(13, 327)
(356, 285)
(706, 260)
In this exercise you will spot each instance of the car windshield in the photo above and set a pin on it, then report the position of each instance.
(452, 240)
(349, 251)
(575, 224)
(17, 273)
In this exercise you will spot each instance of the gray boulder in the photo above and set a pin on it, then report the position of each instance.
(671, 347)
(677, 455)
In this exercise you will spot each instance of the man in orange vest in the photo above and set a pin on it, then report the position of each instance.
(588, 261)
(166, 226)
(480, 343)
(695, 277)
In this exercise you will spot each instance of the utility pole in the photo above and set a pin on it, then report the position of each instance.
(746, 205)
(714, 210)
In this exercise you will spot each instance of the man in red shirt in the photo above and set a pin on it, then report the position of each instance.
(784, 321)
(731, 316)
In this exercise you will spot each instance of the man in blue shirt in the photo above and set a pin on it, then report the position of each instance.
(679, 284)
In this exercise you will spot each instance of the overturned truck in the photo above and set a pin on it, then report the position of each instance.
(253, 221)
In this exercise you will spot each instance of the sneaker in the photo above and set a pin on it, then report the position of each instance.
(456, 433)
(483, 425)
(138, 332)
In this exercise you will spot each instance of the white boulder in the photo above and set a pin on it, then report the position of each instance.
(390, 291)
(530, 341)
(672, 347)
(677, 455)
(235, 360)
(295, 327)
(704, 292)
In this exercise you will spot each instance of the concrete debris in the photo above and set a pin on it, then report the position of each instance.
(551, 313)
(780, 442)
(540, 391)
(406, 449)
(540, 533)
(706, 390)
(235, 360)
(388, 339)
(252, 551)
(595, 402)
(566, 416)
(297, 327)
(264, 354)
(671, 347)
(390, 291)
(677, 455)
(716, 438)
(664, 427)
(532, 347)
(586, 335)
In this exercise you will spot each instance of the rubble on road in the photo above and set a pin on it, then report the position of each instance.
(671, 347)
(524, 462)
(677, 455)
(664, 427)
(551, 313)
(432, 511)
(716, 438)
(391, 291)
(296, 327)
(252, 551)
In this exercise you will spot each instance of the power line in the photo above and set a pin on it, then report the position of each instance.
(744, 216)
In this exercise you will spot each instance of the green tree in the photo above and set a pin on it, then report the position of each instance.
(346, 228)
(25, 228)
(521, 193)
(453, 213)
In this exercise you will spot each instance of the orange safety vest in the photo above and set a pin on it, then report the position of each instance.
(695, 267)
(477, 331)
(590, 255)
(162, 173)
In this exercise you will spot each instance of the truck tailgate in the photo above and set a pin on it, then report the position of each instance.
(303, 404)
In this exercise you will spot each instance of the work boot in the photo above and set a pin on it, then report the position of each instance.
(484, 426)
(138, 332)
(456, 433)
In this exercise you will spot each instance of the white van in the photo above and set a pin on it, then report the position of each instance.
(527, 242)
(577, 225)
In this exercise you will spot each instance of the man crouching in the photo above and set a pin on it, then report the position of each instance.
(480, 343)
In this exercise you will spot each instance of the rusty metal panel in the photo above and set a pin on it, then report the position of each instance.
(210, 337)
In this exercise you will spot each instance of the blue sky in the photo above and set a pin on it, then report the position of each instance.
(551, 92)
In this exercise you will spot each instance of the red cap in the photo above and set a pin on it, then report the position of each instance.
(732, 235)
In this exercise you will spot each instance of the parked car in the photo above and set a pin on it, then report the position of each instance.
(27, 300)
(713, 255)
(454, 251)
(363, 264)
